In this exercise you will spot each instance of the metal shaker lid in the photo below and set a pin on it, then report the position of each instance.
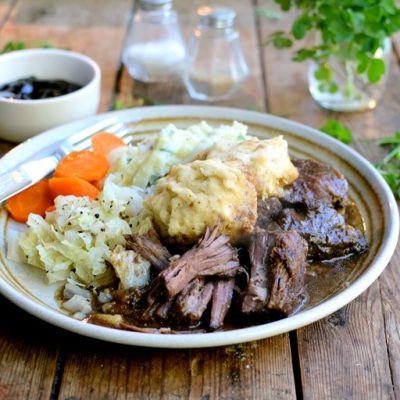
(216, 17)
(155, 4)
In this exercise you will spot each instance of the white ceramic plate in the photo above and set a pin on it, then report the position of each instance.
(27, 287)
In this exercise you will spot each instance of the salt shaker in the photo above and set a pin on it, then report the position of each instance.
(154, 47)
(215, 64)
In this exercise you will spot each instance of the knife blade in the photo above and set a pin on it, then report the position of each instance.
(28, 173)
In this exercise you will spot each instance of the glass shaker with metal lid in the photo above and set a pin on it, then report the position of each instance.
(154, 48)
(215, 65)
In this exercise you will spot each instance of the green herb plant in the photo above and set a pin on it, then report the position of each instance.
(389, 167)
(349, 30)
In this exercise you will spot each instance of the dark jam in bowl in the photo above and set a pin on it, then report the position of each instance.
(32, 88)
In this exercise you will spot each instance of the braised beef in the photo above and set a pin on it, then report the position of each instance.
(150, 248)
(256, 295)
(268, 211)
(316, 183)
(191, 303)
(181, 293)
(211, 251)
(286, 273)
(203, 286)
(278, 265)
(221, 301)
(325, 230)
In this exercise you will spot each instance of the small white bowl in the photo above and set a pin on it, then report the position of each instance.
(21, 119)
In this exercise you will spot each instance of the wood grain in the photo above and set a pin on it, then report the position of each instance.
(29, 349)
(344, 355)
(390, 291)
(28, 354)
(260, 370)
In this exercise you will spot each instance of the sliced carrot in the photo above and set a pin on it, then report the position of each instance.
(99, 184)
(104, 143)
(83, 164)
(36, 199)
(51, 208)
(64, 186)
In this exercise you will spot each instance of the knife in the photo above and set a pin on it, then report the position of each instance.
(29, 173)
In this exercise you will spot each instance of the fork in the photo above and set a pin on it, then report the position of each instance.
(27, 174)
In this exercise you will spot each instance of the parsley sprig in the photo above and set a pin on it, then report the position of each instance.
(337, 130)
(389, 167)
(21, 45)
(351, 30)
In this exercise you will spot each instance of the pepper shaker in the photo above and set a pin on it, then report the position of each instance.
(154, 47)
(215, 65)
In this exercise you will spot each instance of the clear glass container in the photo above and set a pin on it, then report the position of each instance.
(154, 48)
(215, 64)
(353, 91)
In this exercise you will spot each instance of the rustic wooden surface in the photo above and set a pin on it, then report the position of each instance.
(352, 354)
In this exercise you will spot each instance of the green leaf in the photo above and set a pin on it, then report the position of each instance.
(13, 46)
(285, 4)
(323, 73)
(301, 26)
(304, 54)
(279, 40)
(389, 167)
(395, 139)
(375, 70)
(363, 63)
(337, 130)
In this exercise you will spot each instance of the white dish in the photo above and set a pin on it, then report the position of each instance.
(21, 119)
(26, 286)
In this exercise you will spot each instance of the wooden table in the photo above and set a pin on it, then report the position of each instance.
(352, 354)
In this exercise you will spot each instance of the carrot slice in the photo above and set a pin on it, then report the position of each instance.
(99, 184)
(36, 199)
(83, 164)
(64, 186)
(104, 143)
(51, 208)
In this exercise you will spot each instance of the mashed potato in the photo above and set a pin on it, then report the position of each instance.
(203, 194)
(143, 164)
(267, 161)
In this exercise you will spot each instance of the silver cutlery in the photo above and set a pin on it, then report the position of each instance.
(29, 173)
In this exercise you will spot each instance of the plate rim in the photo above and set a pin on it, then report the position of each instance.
(389, 240)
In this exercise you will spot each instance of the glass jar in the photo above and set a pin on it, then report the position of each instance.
(215, 65)
(351, 91)
(154, 48)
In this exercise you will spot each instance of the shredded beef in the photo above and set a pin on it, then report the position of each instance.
(278, 264)
(211, 251)
(221, 301)
(191, 303)
(150, 248)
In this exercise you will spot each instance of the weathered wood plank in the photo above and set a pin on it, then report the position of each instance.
(95, 28)
(390, 291)
(27, 362)
(5, 9)
(261, 370)
(28, 354)
(344, 355)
